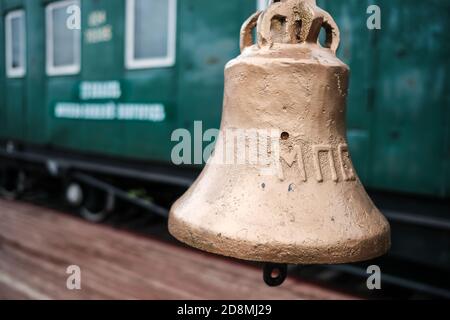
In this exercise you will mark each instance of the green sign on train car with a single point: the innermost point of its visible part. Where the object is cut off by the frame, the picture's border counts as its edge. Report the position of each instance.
(99, 102)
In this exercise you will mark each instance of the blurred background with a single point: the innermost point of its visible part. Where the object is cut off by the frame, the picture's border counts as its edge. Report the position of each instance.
(92, 90)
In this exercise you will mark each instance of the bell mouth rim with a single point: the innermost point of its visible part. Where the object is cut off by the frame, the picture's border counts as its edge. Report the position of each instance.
(277, 252)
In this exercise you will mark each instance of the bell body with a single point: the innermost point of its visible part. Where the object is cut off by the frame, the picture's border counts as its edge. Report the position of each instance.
(304, 206)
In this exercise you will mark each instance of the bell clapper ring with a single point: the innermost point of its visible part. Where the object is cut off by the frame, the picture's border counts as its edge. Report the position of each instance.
(274, 274)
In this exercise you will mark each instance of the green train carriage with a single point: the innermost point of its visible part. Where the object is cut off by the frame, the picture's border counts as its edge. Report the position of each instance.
(104, 98)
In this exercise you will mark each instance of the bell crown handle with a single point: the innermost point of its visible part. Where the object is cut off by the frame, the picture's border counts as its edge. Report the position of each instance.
(247, 30)
(290, 21)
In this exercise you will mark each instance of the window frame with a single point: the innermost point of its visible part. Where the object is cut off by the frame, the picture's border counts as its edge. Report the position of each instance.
(131, 63)
(21, 71)
(51, 69)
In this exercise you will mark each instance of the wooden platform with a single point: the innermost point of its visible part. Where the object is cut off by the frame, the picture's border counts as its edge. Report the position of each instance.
(37, 245)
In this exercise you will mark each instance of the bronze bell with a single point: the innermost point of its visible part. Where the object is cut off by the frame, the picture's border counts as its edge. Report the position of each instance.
(307, 206)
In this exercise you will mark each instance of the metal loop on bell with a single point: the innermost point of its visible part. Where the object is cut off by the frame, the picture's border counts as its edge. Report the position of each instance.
(274, 274)
(291, 22)
(247, 29)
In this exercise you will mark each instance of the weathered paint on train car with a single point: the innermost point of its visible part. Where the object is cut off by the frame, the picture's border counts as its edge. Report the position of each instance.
(398, 115)
(399, 107)
(410, 146)
(14, 95)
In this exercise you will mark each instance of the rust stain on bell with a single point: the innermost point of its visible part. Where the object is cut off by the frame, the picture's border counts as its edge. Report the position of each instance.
(313, 209)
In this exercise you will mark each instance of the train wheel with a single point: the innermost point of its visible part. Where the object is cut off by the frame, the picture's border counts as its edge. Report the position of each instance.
(97, 205)
(12, 183)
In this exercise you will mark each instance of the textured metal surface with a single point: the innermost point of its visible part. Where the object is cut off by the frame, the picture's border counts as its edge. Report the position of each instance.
(314, 209)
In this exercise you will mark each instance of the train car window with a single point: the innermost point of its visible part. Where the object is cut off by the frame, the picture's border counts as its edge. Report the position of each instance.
(63, 40)
(150, 33)
(15, 44)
